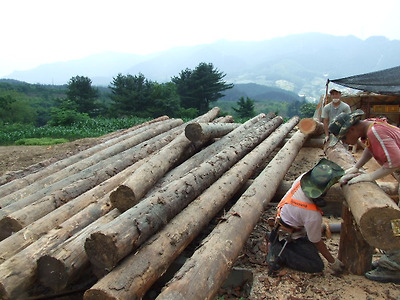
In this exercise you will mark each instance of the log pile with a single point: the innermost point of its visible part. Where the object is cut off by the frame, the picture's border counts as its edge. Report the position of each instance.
(120, 213)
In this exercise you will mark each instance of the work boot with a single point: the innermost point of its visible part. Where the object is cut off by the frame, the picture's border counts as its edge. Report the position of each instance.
(383, 275)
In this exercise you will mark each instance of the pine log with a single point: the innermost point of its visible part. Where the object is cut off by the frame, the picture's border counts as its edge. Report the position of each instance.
(372, 208)
(136, 274)
(116, 240)
(135, 187)
(65, 263)
(29, 209)
(311, 127)
(231, 138)
(198, 132)
(357, 257)
(23, 238)
(56, 180)
(19, 184)
(316, 142)
(18, 273)
(203, 274)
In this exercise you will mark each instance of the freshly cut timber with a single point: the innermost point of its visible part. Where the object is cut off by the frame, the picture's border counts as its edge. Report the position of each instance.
(118, 238)
(136, 186)
(136, 274)
(206, 270)
(197, 132)
(311, 127)
(25, 211)
(18, 273)
(28, 235)
(55, 181)
(372, 209)
(233, 137)
(68, 260)
(14, 182)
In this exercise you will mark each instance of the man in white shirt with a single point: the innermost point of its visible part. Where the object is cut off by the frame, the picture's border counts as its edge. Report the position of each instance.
(333, 109)
(298, 223)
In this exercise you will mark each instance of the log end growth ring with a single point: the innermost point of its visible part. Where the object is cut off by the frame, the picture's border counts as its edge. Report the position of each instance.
(102, 251)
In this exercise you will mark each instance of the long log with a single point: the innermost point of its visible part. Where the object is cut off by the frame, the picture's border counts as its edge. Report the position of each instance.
(197, 132)
(372, 209)
(67, 261)
(311, 127)
(33, 207)
(29, 234)
(136, 274)
(18, 273)
(203, 274)
(29, 194)
(233, 137)
(316, 142)
(18, 184)
(116, 240)
(135, 187)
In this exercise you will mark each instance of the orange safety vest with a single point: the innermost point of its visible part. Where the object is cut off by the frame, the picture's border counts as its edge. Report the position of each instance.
(290, 200)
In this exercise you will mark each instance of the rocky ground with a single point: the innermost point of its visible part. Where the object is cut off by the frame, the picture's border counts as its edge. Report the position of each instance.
(288, 284)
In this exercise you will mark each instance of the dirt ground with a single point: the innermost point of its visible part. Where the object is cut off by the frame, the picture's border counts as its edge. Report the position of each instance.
(289, 284)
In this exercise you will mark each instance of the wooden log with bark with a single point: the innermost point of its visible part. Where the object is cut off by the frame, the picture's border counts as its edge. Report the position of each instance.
(22, 197)
(116, 240)
(136, 186)
(136, 274)
(198, 132)
(31, 233)
(372, 209)
(21, 213)
(18, 273)
(311, 127)
(18, 184)
(203, 273)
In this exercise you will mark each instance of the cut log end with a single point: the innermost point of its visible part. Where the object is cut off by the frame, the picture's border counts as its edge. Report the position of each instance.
(101, 251)
(193, 131)
(8, 226)
(311, 127)
(94, 294)
(52, 273)
(123, 198)
(376, 228)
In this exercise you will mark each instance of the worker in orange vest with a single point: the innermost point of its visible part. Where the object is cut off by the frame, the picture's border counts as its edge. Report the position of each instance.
(296, 239)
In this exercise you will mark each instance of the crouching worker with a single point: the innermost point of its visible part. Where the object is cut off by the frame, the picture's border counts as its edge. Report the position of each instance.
(296, 239)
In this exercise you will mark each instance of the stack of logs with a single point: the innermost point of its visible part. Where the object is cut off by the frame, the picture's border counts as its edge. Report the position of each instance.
(125, 209)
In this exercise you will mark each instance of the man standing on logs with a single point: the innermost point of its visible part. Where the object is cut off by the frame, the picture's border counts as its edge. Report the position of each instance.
(333, 109)
(296, 239)
(382, 142)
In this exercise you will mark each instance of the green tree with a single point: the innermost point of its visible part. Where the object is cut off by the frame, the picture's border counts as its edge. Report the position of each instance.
(15, 107)
(198, 88)
(166, 100)
(81, 92)
(246, 108)
(131, 95)
(307, 110)
(66, 113)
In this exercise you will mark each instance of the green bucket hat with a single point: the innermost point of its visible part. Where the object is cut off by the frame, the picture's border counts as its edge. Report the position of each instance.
(320, 178)
(341, 124)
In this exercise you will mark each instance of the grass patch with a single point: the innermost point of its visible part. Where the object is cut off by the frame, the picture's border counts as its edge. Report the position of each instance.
(40, 141)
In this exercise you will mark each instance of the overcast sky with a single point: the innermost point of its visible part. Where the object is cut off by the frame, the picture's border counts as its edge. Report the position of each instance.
(35, 32)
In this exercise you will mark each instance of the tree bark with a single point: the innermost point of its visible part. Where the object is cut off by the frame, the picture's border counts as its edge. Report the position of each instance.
(136, 274)
(202, 274)
(372, 209)
(358, 257)
(311, 142)
(23, 238)
(311, 127)
(201, 132)
(29, 209)
(135, 187)
(116, 240)
(67, 261)
(56, 180)
(106, 141)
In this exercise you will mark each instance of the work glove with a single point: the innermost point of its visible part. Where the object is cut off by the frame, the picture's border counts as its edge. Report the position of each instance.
(360, 178)
(347, 177)
(337, 266)
(326, 139)
(381, 172)
(352, 170)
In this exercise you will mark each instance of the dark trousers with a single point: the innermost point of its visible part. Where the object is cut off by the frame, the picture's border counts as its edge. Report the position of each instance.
(299, 254)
